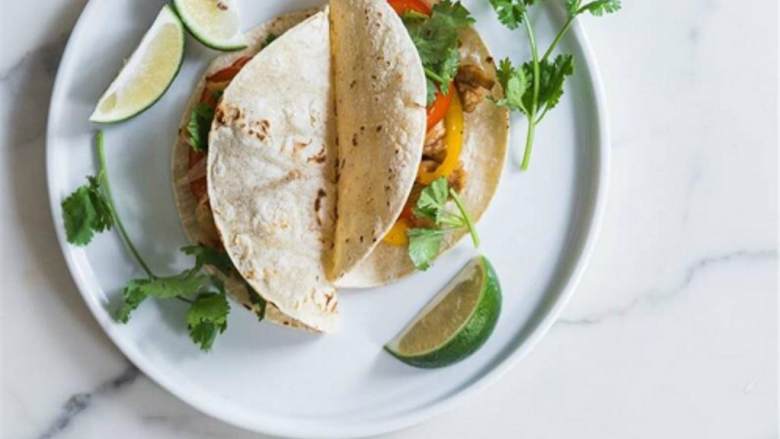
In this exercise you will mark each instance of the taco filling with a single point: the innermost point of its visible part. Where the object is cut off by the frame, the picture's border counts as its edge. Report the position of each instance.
(448, 99)
(196, 137)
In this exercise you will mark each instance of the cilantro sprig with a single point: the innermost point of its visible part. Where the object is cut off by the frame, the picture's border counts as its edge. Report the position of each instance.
(425, 243)
(90, 209)
(199, 126)
(436, 40)
(536, 86)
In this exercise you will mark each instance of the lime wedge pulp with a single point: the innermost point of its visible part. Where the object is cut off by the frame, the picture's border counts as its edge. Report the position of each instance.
(455, 323)
(215, 23)
(147, 74)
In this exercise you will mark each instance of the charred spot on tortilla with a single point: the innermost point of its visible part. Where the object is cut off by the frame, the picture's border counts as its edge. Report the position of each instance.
(293, 175)
(378, 128)
(222, 6)
(219, 116)
(318, 200)
(297, 146)
(354, 140)
(320, 158)
(353, 83)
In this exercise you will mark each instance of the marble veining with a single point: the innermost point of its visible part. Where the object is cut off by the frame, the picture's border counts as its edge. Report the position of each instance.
(80, 402)
(659, 297)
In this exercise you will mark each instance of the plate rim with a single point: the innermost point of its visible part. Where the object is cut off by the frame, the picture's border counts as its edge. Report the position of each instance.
(594, 222)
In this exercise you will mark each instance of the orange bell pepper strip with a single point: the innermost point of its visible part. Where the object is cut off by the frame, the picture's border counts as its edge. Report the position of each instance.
(439, 107)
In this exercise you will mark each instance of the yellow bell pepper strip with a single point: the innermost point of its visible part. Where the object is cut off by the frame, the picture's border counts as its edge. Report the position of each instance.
(453, 140)
(397, 234)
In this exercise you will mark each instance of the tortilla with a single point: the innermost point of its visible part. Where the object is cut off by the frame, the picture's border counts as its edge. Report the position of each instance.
(486, 136)
(380, 100)
(271, 173)
(187, 204)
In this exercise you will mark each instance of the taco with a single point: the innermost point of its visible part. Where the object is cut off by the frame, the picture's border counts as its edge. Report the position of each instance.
(319, 146)
(466, 138)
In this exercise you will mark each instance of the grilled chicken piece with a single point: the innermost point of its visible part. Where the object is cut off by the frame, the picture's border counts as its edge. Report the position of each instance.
(473, 85)
(429, 165)
(435, 148)
(457, 179)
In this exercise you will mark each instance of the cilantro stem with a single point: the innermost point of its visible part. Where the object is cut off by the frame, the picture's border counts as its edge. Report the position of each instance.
(466, 217)
(529, 137)
(541, 116)
(560, 36)
(103, 176)
(436, 77)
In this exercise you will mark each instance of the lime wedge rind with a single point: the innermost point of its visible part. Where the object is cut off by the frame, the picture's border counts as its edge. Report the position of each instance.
(237, 42)
(166, 16)
(469, 337)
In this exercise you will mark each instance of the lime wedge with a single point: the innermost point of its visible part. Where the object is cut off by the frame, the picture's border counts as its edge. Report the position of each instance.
(147, 74)
(455, 323)
(214, 23)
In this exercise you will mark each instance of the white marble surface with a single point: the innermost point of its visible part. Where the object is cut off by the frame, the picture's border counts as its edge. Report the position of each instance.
(672, 333)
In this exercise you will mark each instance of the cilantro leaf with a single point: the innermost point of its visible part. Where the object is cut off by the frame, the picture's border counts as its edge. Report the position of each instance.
(601, 7)
(425, 243)
(515, 84)
(430, 92)
(424, 246)
(257, 300)
(199, 126)
(184, 284)
(270, 39)
(132, 296)
(551, 79)
(432, 201)
(511, 13)
(86, 212)
(436, 40)
(518, 93)
(572, 6)
(205, 255)
(206, 318)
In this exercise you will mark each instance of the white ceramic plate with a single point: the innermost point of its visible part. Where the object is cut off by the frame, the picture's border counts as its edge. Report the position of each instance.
(265, 378)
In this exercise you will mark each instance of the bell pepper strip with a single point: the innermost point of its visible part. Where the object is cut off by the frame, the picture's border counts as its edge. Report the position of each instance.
(404, 6)
(438, 109)
(396, 236)
(453, 140)
(198, 186)
(229, 72)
